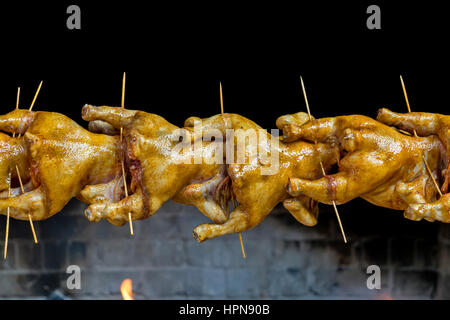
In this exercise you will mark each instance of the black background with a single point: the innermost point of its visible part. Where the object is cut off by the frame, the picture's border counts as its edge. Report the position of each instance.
(176, 54)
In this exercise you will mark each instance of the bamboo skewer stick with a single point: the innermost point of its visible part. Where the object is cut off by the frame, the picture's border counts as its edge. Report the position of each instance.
(431, 175)
(321, 164)
(17, 105)
(35, 96)
(18, 98)
(29, 215)
(221, 99)
(9, 190)
(240, 233)
(7, 220)
(415, 134)
(32, 103)
(407, 100)
(130, 220)
(234, 204)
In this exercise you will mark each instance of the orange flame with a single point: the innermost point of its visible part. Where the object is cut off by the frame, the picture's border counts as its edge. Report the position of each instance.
(126, 288)
(383, 296)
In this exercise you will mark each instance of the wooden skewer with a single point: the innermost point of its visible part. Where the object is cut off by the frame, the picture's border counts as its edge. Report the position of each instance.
(9, 189)
(35, 96)
(18, 98)
(415, 134)
(321, 164)
(431, 175)
(32, 103)
(7, 219)
(17, 105)
(130, 220)
(126, 195)
(240, 233)
(221, 99)
(234, 204)
(29, 215)
(407, 100)
(404, 132)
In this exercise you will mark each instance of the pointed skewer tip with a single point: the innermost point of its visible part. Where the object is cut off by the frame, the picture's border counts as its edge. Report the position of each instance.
(130, 220)
(36, 95)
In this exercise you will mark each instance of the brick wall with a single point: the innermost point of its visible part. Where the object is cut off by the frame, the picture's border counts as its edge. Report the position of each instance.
(285, 260)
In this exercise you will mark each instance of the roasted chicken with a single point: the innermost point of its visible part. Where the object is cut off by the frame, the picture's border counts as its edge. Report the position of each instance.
(161, 171)
(380, 164)
(426, 124)
(63, 161)
(209, 161)
(257, 185)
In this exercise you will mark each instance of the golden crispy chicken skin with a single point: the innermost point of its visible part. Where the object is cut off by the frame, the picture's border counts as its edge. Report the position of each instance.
(64, 159)
(12, 152)
(382, 165)
(426, 124)
(161, 171)
(257, 188)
